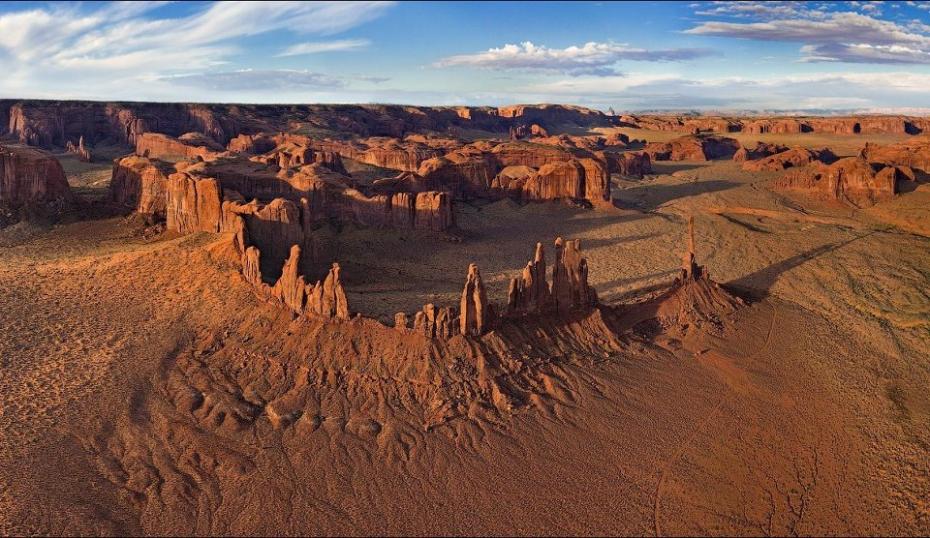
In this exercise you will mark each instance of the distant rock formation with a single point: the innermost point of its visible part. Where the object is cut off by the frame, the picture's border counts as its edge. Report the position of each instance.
(870, 124)
(692, 148)
(852, 180)
(191, 146)
(32, 178)
(914, 154)
(789, 159)
(761, 150)
(634, 164)
(83, 154)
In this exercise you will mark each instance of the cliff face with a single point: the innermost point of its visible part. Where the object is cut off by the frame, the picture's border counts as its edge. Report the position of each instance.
(31, 177)
(53, 123)
(850, 125)
(140, 183)
(852, 181)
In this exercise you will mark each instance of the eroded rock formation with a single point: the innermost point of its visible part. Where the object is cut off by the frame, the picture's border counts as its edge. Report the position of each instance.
(790, 159)
(190, 146)
(475, 312)
(83, 154)
(634, 164)
(325, 299)
(692, 148)
(694, 300)
(914, 154)
(31, 177)
(852, 180)
(140, 183)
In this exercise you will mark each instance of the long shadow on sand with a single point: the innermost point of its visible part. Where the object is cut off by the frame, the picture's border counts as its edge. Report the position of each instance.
(758, 285)
(651, 197)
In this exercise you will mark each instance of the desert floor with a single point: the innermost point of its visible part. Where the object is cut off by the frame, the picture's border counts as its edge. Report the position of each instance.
(808, 413)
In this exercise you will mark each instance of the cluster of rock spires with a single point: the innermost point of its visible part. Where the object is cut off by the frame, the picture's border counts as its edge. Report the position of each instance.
(693, 300)
(83, 154)
(529, 294)
(326, 299)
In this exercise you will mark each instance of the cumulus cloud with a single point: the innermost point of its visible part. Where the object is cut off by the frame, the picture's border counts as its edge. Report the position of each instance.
(316, 47)
(836, 37)
(589, 59)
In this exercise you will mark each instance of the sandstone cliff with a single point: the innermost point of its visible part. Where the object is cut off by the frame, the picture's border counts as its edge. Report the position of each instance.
(31, 177)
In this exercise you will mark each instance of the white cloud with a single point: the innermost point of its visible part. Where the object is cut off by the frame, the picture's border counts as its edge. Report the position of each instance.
(78, 49)
(789, 92)
(839, 37)
(315, 47)
(589, 59)
(257, 79)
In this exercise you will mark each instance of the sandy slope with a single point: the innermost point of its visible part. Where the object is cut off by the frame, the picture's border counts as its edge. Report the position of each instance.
(145, 388)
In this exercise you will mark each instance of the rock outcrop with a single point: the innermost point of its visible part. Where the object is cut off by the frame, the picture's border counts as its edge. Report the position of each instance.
(914, 154)
(141, 184)
(325, 299)
(475, 312)
(790, 159)
(529, 293)
(694, 300)
(852, 180)
(83, 154)
(761, 150)
(33, 178)
(633, 164)
(692, 148)
(192, 204)
(520, 170)
(190, 146)
(570, 289)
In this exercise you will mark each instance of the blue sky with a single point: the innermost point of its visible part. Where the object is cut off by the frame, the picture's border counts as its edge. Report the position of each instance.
(629, 56)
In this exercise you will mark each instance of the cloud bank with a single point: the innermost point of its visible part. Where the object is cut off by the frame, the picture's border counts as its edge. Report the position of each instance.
(589, 59)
